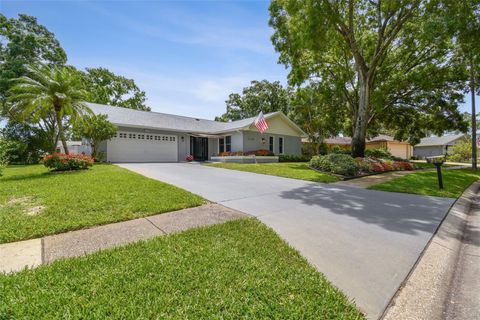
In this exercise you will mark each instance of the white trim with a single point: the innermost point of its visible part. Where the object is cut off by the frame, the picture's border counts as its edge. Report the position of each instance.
(224, 143)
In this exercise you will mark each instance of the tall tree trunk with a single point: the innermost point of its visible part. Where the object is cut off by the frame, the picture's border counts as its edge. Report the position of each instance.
(61, 133)
(360, 124)
(474, 116)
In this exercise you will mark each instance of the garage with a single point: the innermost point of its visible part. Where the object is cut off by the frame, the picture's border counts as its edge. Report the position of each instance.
(142, 147)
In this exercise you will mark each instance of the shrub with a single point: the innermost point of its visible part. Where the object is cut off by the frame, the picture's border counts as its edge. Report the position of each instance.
(376, 167)
(3, 165)
(65, 162)
(336, 163)
(292, 158)
(12, 151)
(461, 152)
(261, 152)
(403, 165)
(337, 149)
(363, 164)
(230, 154)
(388, 165)
(380, 153)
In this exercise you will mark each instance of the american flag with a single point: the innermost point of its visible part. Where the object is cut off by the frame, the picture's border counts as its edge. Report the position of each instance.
(261, 123)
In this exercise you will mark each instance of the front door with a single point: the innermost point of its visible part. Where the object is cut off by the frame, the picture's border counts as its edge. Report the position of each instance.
(199, 148)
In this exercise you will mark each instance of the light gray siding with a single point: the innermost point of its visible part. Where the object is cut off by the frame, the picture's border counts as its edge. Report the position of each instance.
(212, 147)
(237, 141)
(253, 141)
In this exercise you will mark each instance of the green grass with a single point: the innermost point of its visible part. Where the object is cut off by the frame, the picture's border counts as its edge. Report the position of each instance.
(425, 165)
(74, 200)
(455, 181)
(294, 170)
(237, 270)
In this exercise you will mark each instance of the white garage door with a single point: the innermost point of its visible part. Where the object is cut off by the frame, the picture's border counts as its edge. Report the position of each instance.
(142, 147)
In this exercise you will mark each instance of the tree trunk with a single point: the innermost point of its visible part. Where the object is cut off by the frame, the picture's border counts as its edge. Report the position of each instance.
(474, 116)
(61, 133)
(360, 121)
(94, 149)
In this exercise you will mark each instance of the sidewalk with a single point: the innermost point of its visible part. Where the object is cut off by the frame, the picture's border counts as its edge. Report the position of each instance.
(16, 256)
(444, 283)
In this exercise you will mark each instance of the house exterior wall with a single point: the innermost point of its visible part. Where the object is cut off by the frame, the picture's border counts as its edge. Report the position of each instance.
(428, 151)
(400, 149)
(237, 141)
(183, 144)
(240, 141)
(253, 141)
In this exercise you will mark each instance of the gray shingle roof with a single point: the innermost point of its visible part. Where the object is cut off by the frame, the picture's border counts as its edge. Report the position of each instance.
(164, 121)
(439, 141)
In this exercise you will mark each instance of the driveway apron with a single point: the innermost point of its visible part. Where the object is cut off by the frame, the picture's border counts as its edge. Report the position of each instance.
(364, 241)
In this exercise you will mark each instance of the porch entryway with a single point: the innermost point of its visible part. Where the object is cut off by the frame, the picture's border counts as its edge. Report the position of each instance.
(199, 148)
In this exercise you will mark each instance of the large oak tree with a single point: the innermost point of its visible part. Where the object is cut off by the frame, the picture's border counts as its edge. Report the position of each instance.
(392, 59)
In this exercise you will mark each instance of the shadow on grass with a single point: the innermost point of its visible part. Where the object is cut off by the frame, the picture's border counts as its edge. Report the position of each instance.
(39, 175)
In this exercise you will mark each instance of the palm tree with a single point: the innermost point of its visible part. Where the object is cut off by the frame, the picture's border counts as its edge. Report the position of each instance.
(49, 90)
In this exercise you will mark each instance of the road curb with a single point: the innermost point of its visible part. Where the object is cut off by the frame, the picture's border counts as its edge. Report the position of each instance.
(425, 290)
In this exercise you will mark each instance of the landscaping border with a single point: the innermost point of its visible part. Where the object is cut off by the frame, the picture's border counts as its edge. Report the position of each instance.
(245, 159)
(423, 293)
(345, 178)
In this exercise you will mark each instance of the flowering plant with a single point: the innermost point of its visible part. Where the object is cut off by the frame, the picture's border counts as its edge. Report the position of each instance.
(261, 152)
(403, 165)
(63, 162)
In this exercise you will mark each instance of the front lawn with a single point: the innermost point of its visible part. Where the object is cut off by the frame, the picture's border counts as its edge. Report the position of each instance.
(35, 202)
(455, 181)
(294, 170)
(237, 270)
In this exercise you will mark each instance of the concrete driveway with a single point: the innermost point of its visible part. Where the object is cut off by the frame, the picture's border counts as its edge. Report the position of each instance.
(364, 241)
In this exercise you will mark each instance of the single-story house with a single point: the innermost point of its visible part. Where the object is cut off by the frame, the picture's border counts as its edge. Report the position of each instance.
(145, 136)
(401, 149)
(436, 146)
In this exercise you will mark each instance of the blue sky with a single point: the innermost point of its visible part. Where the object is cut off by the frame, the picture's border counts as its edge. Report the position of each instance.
(187, 55)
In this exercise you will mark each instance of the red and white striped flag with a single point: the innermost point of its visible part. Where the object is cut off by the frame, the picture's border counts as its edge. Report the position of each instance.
(261, 123)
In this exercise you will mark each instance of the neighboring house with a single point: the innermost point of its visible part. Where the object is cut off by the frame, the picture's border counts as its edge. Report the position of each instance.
(159, 137)
(401, 149)
(436, 146)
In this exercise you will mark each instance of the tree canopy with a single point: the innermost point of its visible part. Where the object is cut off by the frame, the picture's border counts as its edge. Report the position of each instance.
(262, 96)
(105, 87)
(390, 63)
(95, 128)
(22, 42)
(49, 91)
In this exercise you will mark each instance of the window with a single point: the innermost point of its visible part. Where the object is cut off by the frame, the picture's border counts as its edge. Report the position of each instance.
(280, 145)
(270, 144)
(228, 143)
(225, 144)
(221, 145)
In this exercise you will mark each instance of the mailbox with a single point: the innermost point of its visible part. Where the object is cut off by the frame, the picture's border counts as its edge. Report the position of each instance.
(438, 161)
